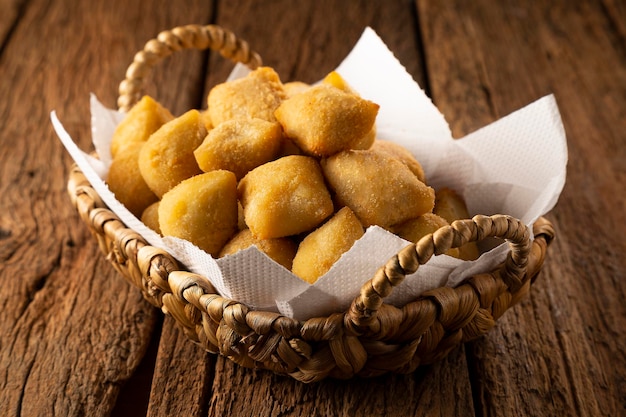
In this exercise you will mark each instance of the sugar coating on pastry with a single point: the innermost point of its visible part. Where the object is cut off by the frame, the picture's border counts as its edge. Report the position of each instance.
(256, 95)
(324, 120)
(281, 250)
(379, 189)
(201, 209)
(125, 180)
(415, 229)
(239, 145)
(320, 249)
(142, 120)
(402, 154)
(285, 197)
(451, 206)
(167, 157)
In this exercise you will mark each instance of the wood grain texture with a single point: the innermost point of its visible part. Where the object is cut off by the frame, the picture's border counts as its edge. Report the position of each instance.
(72, 332)
(485, 61)
(11, 12)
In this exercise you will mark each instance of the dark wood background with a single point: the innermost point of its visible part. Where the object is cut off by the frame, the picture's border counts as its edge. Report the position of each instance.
(76, 339)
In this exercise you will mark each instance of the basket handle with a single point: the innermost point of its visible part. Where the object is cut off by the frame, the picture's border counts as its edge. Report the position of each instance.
(364, 308)
(183, 37)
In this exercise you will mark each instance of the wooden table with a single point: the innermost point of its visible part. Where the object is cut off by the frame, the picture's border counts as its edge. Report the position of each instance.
(76, 339)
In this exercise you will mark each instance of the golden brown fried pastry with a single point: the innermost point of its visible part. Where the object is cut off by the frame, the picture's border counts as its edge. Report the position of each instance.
(379, 189)
(366, 141)
(284, 197)
(126, 182)
(281, 250)
(256, 95)
(295, 87)
(450, 206)
(205, 117)
(324, 120)
(167, 158)
(321, 248)
(402, 154)
(150, 217)
(239, 145)
(336, 80)
(415, 229)
(202, 210)
(142, 120)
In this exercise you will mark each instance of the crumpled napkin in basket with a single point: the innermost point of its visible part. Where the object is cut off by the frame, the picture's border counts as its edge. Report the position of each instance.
(514, 166)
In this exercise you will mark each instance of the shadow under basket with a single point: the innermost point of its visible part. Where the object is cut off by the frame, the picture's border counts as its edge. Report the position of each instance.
(370, 338)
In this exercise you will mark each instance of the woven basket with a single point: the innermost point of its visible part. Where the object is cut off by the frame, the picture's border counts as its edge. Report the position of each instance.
(369, 339)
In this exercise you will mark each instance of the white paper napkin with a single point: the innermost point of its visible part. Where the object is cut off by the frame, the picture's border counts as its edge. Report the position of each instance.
(515, 166)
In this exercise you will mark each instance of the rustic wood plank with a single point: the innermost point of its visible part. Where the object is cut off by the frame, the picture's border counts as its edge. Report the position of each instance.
(183, 375)
(560, 351)
(72, 330)
(9, 17)
(438, 389)
(304, 43)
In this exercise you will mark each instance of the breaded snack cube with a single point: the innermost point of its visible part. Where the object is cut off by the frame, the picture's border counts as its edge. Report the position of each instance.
(150, 217)
(281, 250)
(256, 95)
(239, 145)
(285, 197)
(336, 80)
(379, 189)
(402, 154)
(142, 120)
(451, 206)
(324, 120)
(415, 229)
(201, 209)
(167, 157)
(125, 180)
(320, 249)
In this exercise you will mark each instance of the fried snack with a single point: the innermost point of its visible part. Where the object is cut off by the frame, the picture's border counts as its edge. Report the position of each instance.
(366, 141)
(379, 189)
(256, 95)
(239, 146)
(205, 117)
(294, 87)
(402, 154)
(450, 206)
(284, 197)
(126, 182)
(321, 248)
(202, 210)
(150, 217)
(281, 250)
(415, 229)
(287, 148)
(142, 120)
(324, 120)
(167, 158)
(336, 80)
